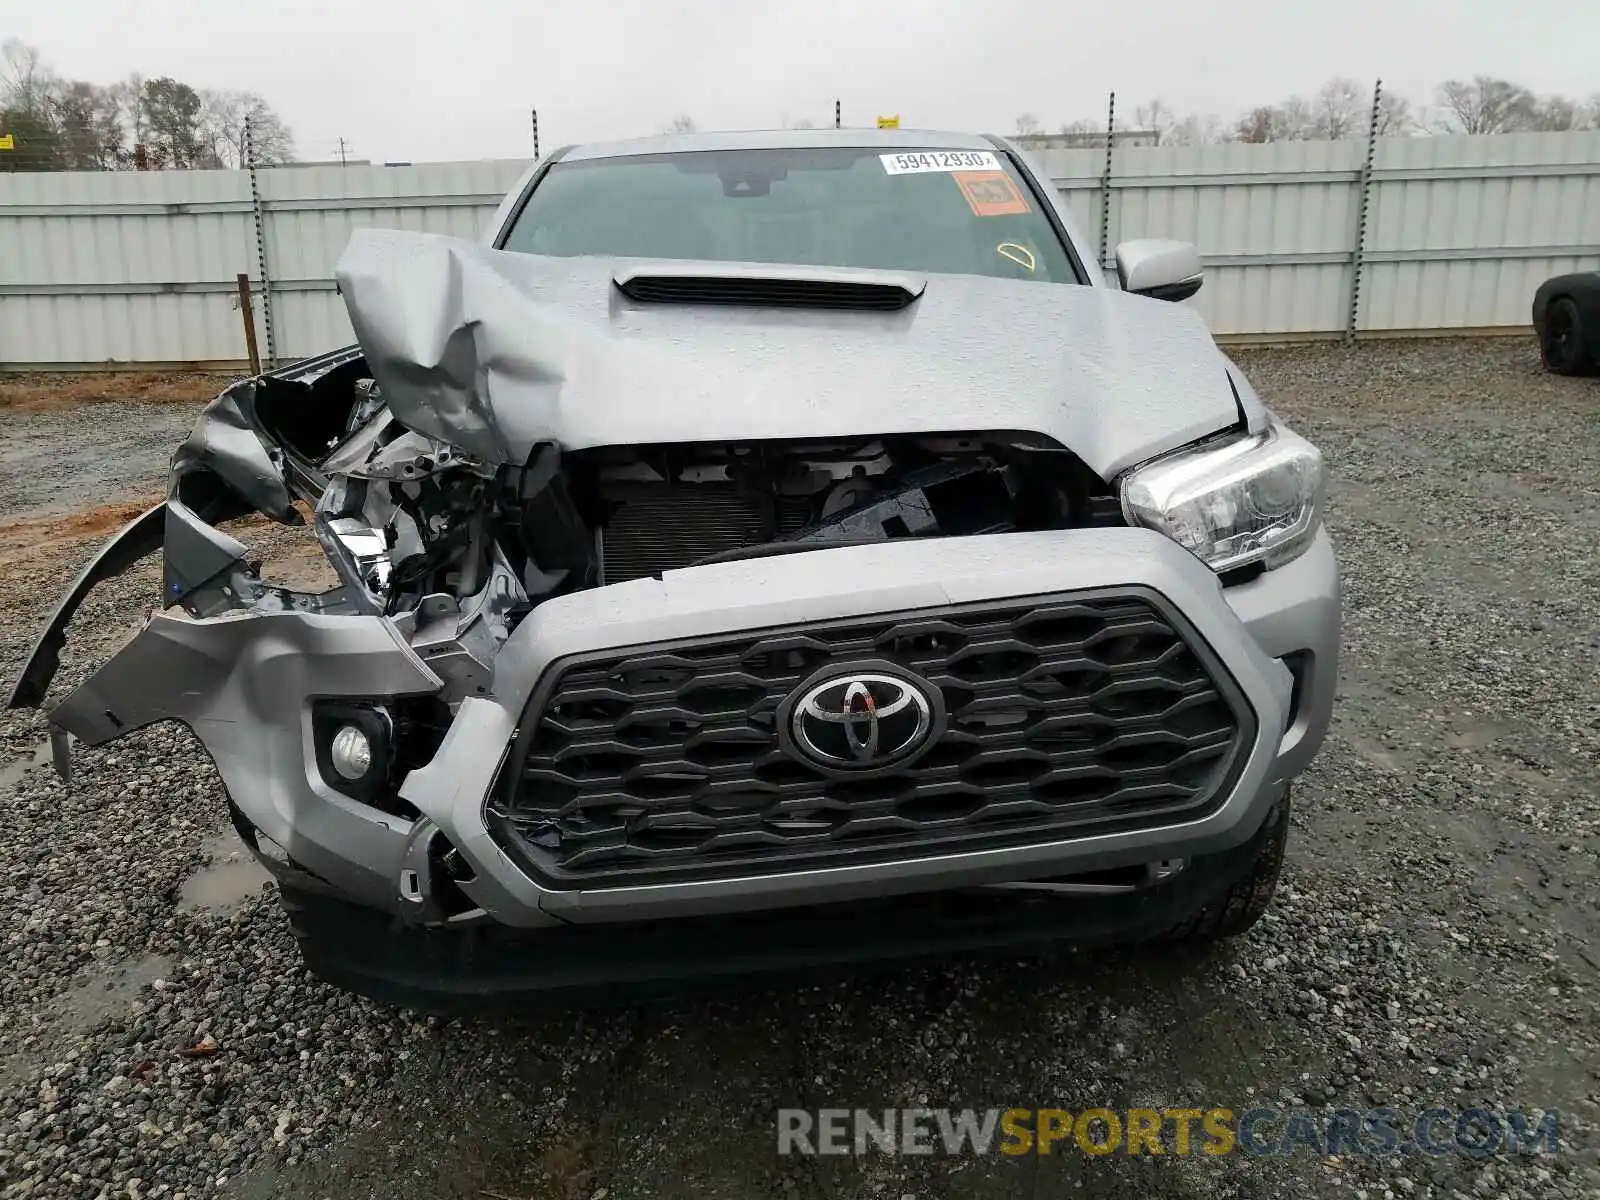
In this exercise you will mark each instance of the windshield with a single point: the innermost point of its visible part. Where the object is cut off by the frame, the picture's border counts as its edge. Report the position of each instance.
(959, 211)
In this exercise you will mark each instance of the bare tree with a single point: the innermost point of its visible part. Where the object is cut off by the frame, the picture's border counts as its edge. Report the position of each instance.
(1395, 118)
(222, 130)
(270, 138)
(1299, 120)
(1156, 117)
(129, 98)
(1485, 105)
(1197, 129)
(681, 123)
(1342, 110)
(1286, 122)
(1257, 125)
(28, 90)
(1558, 114)
(26, 83)
(1338, 112)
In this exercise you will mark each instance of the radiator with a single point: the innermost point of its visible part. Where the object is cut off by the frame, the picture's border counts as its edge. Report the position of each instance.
(661, 527)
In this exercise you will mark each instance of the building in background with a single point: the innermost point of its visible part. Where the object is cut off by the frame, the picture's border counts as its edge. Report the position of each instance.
(1123, 139)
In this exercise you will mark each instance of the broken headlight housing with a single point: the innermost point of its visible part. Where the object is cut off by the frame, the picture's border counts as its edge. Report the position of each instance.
(1247, 500)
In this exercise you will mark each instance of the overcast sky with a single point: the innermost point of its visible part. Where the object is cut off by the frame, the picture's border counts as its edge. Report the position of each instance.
(410, 80)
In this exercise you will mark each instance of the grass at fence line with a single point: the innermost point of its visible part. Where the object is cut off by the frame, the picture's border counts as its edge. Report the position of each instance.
(51, 391)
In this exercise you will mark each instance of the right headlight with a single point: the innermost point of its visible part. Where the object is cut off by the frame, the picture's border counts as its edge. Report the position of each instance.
(1253, 499)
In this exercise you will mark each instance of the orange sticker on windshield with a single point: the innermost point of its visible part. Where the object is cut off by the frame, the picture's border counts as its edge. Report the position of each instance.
(990, 193)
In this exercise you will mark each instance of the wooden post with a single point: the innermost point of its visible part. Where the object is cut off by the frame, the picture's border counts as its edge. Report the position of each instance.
(247, 313)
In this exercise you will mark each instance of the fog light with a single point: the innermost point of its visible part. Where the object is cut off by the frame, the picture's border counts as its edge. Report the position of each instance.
(350, 752)
(355, 747)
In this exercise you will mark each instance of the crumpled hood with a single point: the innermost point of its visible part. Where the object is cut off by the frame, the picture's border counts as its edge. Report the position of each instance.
(494, 351)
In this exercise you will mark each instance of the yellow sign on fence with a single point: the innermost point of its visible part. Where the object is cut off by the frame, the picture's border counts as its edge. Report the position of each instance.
(889, 122)
(7, 142)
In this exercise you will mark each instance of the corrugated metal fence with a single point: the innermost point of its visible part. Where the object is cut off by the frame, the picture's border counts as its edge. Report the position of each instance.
(106, 268)
(1459, 230)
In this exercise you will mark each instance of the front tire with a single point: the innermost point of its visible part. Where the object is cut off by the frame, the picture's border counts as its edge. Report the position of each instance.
(1248, 897)
(1562, 339)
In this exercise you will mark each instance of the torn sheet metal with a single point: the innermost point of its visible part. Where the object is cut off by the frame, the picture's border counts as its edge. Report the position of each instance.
(196, 553)
(385, 449)
(494, 351)
(459, 639)
(139, 537)
(225, 440)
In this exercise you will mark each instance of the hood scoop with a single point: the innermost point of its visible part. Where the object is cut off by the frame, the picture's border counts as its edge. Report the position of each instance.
(768, 287)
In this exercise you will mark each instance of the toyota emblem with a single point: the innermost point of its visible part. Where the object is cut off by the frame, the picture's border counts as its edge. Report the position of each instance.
(862, 720)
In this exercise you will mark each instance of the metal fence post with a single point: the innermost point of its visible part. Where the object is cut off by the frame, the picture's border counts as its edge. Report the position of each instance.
(1105, 179)
(261, 242)
(1361, 215)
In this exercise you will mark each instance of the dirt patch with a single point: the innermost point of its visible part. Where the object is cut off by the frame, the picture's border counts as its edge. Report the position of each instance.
(44, 392)
(102, 520)
(295, 561)
(20, 539)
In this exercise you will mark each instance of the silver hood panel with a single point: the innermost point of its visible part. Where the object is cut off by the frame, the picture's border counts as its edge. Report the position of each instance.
(494, 351)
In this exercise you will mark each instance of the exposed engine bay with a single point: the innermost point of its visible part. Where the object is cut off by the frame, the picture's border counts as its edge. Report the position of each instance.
(456, 551)
(605, 516)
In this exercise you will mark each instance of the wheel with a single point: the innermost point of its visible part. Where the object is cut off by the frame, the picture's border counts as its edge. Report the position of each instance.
(1243, 904)
(1561, 340)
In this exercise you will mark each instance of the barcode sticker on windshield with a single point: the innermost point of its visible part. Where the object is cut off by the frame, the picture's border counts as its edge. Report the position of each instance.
(916, 162)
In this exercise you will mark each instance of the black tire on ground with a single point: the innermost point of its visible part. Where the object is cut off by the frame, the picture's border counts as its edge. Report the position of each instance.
(1562, 344)
(1243, 904)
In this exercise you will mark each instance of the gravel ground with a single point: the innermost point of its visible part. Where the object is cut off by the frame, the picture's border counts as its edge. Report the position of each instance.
(1434, 941)
(97, 452)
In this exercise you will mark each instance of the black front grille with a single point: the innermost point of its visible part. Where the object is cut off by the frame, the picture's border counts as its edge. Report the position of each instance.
(1066, 715)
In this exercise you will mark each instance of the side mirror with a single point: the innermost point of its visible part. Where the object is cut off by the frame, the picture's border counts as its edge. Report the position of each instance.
(1159, 269)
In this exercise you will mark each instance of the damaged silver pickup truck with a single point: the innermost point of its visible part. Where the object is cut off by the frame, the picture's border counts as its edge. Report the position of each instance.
(767, 549)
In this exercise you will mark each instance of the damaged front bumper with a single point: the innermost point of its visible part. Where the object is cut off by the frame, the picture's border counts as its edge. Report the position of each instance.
(248, 679)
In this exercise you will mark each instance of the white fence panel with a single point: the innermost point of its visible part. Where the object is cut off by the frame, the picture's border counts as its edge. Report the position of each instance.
(311, 211)
(1461, 231)
(139, 267)
(1275, 224)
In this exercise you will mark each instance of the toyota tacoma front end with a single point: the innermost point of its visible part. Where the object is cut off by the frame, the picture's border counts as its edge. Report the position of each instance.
(703, 611)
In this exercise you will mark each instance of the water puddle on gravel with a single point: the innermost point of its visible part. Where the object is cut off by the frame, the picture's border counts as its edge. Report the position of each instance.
(12, 772)
(232, 878)
(102, 991)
